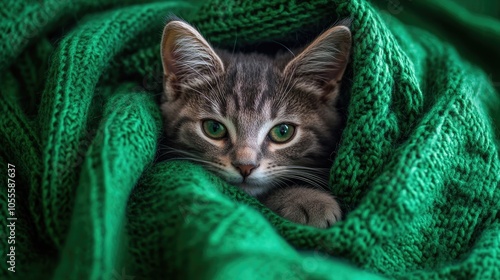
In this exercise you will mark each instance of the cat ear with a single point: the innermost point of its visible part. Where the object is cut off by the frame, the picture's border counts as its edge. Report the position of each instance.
(186, 55)
(321, 65)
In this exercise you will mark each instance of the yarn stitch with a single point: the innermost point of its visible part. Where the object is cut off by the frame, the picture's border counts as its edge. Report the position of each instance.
(417, 170)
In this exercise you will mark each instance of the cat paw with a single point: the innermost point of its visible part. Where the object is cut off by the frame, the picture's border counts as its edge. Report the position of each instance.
(305, 206)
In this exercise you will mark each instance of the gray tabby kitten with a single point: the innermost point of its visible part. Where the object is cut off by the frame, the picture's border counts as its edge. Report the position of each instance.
(258, 121)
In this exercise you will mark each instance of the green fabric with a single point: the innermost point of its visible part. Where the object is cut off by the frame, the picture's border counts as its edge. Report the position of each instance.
(417, 170)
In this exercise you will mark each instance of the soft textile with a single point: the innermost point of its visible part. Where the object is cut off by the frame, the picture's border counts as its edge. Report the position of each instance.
(417, 169)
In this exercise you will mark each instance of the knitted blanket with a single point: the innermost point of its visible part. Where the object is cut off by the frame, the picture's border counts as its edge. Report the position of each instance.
(83, 195)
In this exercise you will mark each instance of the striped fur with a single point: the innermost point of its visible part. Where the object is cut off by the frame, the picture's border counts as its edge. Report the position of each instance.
(249, 94)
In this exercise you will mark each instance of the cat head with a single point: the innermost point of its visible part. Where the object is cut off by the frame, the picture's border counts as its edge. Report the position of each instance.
(256, 121)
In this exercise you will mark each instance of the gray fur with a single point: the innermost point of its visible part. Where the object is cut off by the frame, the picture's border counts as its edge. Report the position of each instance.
(250, 93)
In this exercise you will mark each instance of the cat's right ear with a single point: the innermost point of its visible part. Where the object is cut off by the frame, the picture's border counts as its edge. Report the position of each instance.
(321, 65)
(186, 57)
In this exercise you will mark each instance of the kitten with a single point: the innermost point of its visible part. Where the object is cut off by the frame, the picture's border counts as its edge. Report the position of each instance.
(259, 122)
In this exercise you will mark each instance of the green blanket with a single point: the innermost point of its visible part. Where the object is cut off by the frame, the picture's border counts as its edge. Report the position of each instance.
(417, 170)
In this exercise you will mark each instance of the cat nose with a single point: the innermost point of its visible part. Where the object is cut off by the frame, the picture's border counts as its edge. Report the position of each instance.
(245, 169)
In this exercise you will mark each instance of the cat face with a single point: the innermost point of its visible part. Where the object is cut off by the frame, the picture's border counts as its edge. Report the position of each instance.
(256, 121)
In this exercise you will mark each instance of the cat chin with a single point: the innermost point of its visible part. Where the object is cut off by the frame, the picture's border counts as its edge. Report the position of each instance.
(254, 186)
(253, 190)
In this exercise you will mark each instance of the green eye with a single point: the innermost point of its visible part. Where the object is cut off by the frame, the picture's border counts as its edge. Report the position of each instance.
(214, 129)
(281, 133)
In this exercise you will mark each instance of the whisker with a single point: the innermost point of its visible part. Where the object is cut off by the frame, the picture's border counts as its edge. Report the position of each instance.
(235, 40)
(281, 183)
(308, 171)
(182, 152)
(290, 83)
(308, 178)
(284, 47)
(305, 167)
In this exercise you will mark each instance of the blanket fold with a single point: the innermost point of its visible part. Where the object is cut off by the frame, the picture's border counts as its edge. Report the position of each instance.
(417, 170)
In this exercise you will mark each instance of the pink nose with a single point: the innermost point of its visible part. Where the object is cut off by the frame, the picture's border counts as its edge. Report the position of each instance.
(245, 169)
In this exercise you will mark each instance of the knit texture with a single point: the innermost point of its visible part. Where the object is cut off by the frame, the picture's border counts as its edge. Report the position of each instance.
(417, 170)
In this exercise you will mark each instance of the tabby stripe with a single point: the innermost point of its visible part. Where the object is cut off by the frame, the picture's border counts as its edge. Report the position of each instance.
(238, 84)
(181, 121)
(263, 88)
(236, 101)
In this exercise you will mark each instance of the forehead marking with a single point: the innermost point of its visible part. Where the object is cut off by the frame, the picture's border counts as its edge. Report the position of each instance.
(263, 87)
(238, 85)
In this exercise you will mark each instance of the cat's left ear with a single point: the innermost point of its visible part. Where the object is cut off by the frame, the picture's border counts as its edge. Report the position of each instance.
(321, 65)
(186, 57)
